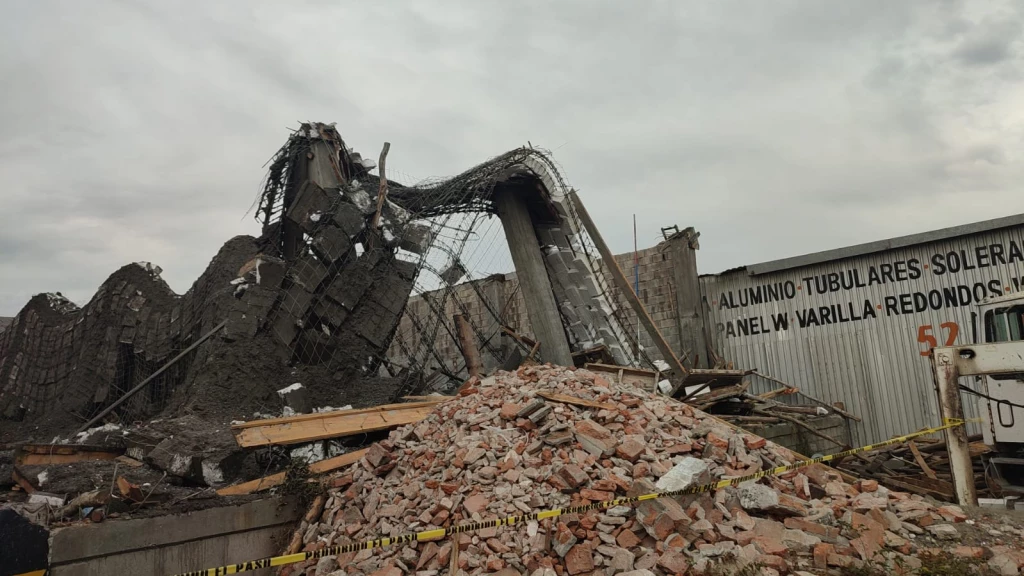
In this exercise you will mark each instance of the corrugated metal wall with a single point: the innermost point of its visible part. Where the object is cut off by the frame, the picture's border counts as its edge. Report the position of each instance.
(871, 359)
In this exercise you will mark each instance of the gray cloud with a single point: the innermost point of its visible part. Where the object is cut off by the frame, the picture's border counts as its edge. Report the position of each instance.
(138, 130)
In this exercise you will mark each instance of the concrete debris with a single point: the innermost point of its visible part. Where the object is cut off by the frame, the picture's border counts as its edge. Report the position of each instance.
(480, 456)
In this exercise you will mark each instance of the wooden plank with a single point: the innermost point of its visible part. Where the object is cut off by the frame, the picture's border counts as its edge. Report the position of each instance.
(667, 353)
(778, 392)
(920, 460)
(336, 413)
(46, 454)
(426, 398)
(130, 462)
(467, 341)
(22, 481)
(268, 482)
(329, 425)
(574, 400)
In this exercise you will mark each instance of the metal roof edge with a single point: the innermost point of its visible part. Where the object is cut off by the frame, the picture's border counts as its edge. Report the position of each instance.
(880, 245)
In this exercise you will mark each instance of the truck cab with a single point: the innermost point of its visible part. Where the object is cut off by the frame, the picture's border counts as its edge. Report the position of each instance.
(1002, 320)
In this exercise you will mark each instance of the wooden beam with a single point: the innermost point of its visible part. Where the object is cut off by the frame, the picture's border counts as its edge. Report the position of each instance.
(576, 401)
(382, 191)
(920, 460)
(322, 415)
(311, 427)
(467, 341)
(22, 481)
(778, 392)
(627, 292)
(268, 482)
(45, 454)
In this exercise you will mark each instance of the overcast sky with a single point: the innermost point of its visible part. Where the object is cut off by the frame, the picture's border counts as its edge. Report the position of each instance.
(139, 130)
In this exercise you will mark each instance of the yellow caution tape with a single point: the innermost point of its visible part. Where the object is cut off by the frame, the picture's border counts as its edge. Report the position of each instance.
(440, 533)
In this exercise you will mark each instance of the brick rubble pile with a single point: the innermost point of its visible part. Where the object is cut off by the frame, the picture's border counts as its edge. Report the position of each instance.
(500, 449)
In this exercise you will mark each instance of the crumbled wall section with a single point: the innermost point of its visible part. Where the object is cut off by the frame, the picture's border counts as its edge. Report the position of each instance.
(65, 362)
(655, 292)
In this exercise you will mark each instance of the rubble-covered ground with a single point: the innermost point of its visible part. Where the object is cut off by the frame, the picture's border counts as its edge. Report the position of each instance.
(499, 449)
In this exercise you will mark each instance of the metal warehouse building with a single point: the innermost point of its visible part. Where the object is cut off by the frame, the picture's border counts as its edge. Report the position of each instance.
(855, 324)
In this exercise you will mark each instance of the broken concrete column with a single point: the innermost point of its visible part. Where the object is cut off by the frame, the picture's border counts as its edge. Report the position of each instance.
(533, 277)
(689, 308)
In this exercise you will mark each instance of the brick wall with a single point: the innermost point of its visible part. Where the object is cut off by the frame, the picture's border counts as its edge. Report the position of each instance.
(655, 292)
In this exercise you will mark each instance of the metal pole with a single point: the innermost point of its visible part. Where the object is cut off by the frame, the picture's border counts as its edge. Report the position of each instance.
(142, 384)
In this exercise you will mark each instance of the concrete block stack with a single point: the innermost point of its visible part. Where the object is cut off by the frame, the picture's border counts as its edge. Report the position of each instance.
(500, 449)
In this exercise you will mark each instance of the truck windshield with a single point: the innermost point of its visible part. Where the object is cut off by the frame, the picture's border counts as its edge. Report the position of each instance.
(1004, 324)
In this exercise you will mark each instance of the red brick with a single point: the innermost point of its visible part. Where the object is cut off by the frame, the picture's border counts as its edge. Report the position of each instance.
(573, 475)
(969, 552)
(627, 539)
(841, 560)
(681, 448)
(769, 545)
(509, 411)
(869, 543)
(828, 533)
(595, 495)
(476, 504)
(641, 470)
(673, 562)
(952, 513)
(579, 559)
(772, 561)
(630, 449)
(754, 442)
(717, 440)
(821, 553)
(868, 485)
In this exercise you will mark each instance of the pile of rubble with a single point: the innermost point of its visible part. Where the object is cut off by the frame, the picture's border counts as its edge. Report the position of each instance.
(550, 437)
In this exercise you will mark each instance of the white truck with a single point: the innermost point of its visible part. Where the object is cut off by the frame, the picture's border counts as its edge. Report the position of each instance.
(997, 364)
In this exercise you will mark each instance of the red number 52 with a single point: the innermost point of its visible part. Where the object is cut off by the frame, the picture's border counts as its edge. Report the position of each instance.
(925, 335)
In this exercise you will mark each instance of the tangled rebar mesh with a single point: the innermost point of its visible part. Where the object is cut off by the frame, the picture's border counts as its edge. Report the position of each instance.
(465, 244)
(344, 298)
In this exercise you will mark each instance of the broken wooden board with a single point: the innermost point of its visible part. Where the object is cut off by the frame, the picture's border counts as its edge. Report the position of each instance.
(46, 454)
(310, 427)
(22, 481)
(576, 401)
(644, 379)
(920, 460)
(268, 482)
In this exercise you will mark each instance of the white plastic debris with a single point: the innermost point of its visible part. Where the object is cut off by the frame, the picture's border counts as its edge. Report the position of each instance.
(290, 389)
(47, 499)
(661, 365)
(237, 281)
(313, 452)
(665, 387)
(688, 472)
(83, 437)
(323, 409)
(315, 216)
(42, 477)
(822, 411)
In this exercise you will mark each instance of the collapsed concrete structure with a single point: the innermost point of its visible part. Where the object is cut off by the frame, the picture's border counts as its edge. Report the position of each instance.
(139, 388)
